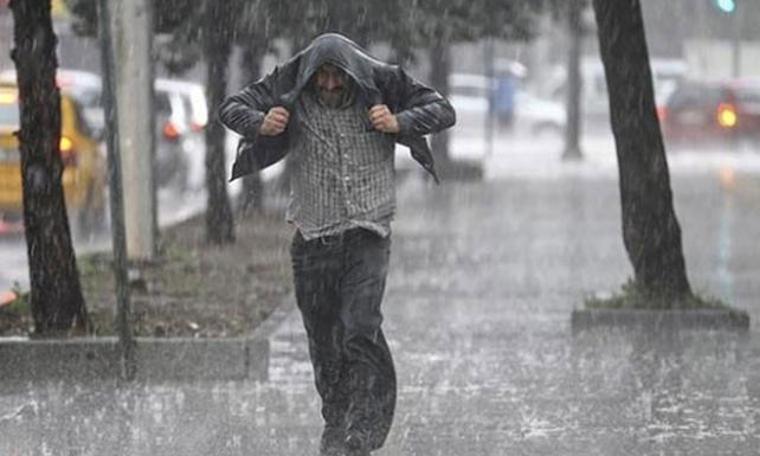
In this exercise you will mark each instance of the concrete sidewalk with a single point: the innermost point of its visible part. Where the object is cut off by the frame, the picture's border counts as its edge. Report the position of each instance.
(483, 281)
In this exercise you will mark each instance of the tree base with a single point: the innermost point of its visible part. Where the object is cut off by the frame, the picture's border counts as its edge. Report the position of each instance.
(635, 306)
(459, 170)
(572, 154)
(660, 320)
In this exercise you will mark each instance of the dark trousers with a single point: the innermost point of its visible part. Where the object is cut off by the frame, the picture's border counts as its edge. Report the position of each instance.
(339, 285)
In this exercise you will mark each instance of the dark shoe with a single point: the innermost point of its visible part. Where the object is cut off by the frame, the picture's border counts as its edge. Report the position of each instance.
(356, 445)
(333, 442)
(332, 452)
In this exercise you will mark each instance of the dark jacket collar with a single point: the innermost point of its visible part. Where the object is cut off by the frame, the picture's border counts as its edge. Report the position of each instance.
(292, 77)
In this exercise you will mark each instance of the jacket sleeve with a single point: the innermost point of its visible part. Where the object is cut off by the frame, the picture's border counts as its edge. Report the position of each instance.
(422, 110)
(244, 111)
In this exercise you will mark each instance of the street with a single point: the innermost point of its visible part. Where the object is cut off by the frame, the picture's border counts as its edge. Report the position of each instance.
(483, 279)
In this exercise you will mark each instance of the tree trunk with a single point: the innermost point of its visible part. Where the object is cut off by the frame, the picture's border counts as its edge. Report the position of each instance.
(574, 81)
(651, 232)
(282, 184)
(402, 53)
(217, 47)
(116, 192)
(56, 297)
(440, 67)
(131, 29)
(252, 195)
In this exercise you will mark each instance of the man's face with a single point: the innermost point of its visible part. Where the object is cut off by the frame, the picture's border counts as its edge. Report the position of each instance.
(331, 84)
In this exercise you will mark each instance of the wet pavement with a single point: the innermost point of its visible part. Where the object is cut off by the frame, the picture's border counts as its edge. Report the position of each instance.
(483, 279)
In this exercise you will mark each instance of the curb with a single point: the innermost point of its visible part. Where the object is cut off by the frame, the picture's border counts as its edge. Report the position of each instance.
(88, 359)
(656, 320)
(461, 171)
(158, 360)
(98, 359)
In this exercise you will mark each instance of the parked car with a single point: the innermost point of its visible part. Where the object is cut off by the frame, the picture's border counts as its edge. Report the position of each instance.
(83, 86)
(193, 98)
(533, 115)
(469, 94)
(666, 73)
(181, 116)
(713, 113)
(539, 116)
(84, 172)
(171, 161)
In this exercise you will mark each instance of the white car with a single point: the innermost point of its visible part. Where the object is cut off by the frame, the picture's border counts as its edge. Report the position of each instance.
(539, 116)
(470, 93)
(192, 110)
(182, 114)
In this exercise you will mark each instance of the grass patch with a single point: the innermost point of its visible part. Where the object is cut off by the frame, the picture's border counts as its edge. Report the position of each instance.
(192, 289)
(633, 296)
(21, 304)
(16, 316)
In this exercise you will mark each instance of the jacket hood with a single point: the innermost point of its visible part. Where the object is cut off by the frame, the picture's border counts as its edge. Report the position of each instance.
(343, 53)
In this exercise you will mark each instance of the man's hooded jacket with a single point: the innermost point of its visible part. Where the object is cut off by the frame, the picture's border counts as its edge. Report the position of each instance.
(419, 110)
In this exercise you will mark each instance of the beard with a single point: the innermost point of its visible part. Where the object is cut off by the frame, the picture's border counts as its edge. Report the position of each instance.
(333, 98)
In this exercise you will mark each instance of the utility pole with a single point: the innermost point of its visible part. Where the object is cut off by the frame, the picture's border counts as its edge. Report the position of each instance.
(731, 9)
(574, 81)
(110, 105)
(489, 57)
(132, 47)
(737, 41)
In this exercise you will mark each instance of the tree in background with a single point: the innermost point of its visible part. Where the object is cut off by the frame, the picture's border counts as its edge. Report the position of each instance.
(428, 24)
(253, 35)
(56, 297)
(364, 21)
(651, 233)
(569, 14)
(199, 29)
(168, 15)
(206, 32)
(573, 127)
(437, 24)
(217, 47)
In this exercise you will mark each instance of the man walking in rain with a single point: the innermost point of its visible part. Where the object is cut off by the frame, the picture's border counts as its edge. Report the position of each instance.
(338, 113)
